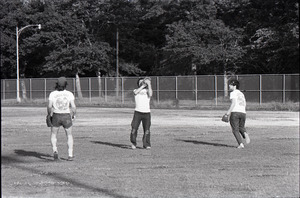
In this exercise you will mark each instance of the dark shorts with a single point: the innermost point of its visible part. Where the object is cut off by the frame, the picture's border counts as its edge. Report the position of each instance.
(62, 119)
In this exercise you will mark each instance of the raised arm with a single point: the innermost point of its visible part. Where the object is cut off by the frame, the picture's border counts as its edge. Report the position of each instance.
(136, 91)
(150, 91)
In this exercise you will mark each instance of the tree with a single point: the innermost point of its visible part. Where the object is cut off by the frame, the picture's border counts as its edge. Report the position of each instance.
(201, 39)
(11, 15)
(73, 51)
(9, 21)
(155, 37)
(271, 34)
(120, 17)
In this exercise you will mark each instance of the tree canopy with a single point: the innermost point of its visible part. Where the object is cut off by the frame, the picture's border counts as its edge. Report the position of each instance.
(148, 37)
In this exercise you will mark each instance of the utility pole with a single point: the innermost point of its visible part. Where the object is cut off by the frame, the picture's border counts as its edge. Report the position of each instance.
(18, 33)
(117, 62)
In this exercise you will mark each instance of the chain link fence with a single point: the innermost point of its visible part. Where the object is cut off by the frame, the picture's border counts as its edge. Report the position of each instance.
(257, 88)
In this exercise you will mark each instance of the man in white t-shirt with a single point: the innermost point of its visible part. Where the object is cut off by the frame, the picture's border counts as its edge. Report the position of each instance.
(62, 108)
(237, 113)
(142, 114)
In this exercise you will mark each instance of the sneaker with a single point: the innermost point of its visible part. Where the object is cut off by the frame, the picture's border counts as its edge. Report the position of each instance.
(148, 147)
(247, 138)
(70, 158)
(241, 146)
(133, 146)
(55, 156)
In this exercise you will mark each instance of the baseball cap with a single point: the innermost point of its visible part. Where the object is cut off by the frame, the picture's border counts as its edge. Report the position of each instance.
(62, 81)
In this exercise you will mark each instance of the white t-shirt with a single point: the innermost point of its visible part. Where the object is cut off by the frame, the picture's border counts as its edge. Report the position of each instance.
(61, 101)
(142, 101)
(240, 105)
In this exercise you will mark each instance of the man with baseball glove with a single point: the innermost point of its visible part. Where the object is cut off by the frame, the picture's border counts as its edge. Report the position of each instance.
(142, 96)
(61, 110)
(236, 114)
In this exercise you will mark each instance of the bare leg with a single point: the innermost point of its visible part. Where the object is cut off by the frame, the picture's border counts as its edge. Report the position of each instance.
(70, 141)
(54, 131)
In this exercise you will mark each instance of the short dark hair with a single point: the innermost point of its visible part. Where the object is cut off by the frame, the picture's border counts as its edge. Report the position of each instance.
(235, 83)
(138, 82)
(60, 88)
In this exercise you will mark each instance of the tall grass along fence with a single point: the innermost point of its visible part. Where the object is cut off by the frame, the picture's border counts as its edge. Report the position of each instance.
(198, 89)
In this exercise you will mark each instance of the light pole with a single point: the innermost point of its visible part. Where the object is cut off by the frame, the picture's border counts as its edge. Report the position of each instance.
(18, 32)
(117, 57)
(117, 62)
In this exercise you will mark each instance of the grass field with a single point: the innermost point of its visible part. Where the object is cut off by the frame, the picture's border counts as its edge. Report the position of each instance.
(193, 154)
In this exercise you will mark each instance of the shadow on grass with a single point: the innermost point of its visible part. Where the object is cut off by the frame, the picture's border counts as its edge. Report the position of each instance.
(38, 155)
(5, 160)
(33, 154)
(206, 143)
(123, 146)
(14, 162)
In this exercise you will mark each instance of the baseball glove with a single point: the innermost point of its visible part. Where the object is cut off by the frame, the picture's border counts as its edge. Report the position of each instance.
(147, 78)
(49, 121)
(225, 118)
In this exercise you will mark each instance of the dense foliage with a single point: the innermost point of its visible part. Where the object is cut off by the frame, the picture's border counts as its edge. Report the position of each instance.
(148, 37)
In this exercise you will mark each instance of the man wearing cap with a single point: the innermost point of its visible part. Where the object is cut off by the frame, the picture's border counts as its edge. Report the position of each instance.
(237, 113)
(62, 108)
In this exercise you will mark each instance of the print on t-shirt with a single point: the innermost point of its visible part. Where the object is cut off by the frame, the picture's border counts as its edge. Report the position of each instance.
(62, 103)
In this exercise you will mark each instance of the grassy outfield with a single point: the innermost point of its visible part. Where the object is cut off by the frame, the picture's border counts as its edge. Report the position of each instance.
(193, 154)
(111, 102)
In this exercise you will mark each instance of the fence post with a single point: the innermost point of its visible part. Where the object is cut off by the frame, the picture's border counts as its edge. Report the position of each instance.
(90, 90)
(3, 89)
(45, 88)
(260, 91)
(216, 90)
(157, 88)
(105, 89)
(196, 89)
(99, 86)
(30, 89)
(122, 87)
(283, 91)
(176, 88)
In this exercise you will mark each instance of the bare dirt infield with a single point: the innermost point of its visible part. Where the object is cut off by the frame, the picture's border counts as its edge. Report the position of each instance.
(193, 154)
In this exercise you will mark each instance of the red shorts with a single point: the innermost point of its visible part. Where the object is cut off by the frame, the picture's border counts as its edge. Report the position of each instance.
(62, 119)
